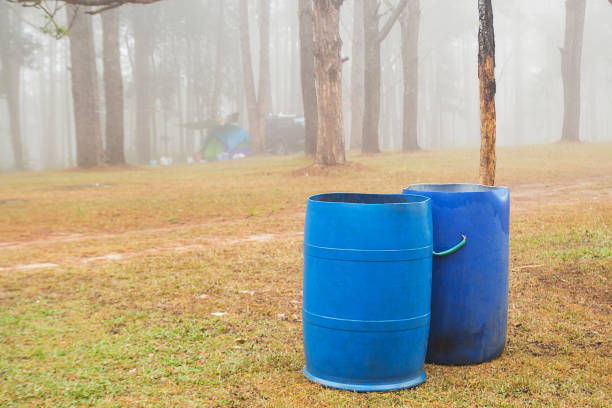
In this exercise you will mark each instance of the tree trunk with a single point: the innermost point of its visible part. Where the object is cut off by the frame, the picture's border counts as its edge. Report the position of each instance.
(214, 103)
(142, 84)
(264, 97)
(571, 55)
(357, 76)
(328, 75)
(371, 78)
(84, 88)
(486, 77)
(373, 37)
(309, 91)
(50, 155)
(113, 88)
(11, 58)
(409, 22)
(257, 107)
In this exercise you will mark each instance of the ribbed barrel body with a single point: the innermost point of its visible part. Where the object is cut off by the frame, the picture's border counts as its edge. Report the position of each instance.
(367, 286)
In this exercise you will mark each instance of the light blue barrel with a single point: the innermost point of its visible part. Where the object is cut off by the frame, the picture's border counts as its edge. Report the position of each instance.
(367, 288)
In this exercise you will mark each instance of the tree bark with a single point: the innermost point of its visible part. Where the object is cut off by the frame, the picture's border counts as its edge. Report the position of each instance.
(409, 22)
(486, 77)
(571, 54)
(373, 37)
(142, 84)
(257, 106)
(214, 102)
(113, 88)
(328, 75)
(49, 154)
(357, 76)
(264, 97)
(309, 91)
(10, 56)
(84, 89)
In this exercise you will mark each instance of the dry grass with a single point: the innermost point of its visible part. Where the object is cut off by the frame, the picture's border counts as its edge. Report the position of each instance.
(136, 328)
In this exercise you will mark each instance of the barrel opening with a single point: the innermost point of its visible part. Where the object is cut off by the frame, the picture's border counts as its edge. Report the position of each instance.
(360, 198)
(454, 188)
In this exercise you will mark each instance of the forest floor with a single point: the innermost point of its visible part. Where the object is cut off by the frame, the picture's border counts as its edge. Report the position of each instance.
(181, 285)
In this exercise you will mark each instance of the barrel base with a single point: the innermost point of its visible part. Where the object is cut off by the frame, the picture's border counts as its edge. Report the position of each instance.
(464, 360)
(365, 387)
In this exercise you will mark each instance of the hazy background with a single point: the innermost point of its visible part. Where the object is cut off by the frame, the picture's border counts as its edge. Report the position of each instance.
(184, 35)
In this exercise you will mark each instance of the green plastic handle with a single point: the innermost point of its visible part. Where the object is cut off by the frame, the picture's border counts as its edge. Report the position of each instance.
(453, 249)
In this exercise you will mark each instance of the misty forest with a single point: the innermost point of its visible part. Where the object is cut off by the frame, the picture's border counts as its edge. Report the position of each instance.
(160, 162)
(137, 83)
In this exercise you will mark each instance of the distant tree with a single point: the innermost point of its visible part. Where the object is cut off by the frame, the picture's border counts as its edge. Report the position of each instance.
(113, 88)
(143, 49)
(257, 103)
(309, 90)
(486, 77)
(84, 89)
(328, 74)
(409, 22)
(13, 49)
(373, 38)
(571, 54)
(357, 76)
(216, 93)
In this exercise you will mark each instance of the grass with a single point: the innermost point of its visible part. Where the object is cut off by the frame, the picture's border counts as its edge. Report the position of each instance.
(144, 257)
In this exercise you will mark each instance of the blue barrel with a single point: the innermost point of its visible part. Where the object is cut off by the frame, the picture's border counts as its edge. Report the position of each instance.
(469, 300)
(367, 287)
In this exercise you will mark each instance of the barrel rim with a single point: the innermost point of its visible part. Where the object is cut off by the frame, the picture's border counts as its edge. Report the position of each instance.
(400, 197)
(452, 188)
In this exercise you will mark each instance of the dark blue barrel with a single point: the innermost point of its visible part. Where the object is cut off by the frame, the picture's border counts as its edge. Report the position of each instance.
(367, 287)
(469, 300)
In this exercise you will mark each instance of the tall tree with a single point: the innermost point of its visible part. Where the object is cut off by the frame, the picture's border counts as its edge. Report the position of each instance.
(571, 54)
(84, 88)
(486, 78)
(409, 22)
(143, 45)
(214, 100)
(373, 38)
(11, 57)
(357, 76)
(113, 88)
(309, 91)
(257, 104)
(328, 75)
(49, 153)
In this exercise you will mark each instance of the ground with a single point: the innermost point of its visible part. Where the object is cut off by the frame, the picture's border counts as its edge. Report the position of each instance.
(181, 285)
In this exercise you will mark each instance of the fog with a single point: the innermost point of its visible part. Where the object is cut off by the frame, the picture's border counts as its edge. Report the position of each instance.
(185, 87)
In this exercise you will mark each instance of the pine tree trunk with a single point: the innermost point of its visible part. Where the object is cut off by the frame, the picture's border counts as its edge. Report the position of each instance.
(264, 96)
(309, 91)
(486, 77)
(84, 88)
(409, 22)
(11, 78)
(142, 84)
(113, 88)
(257, 103)
(371, 78)
(328, 75)
(373, 37)
(51, 133)
(357, 76)
(214, 103)
(571, 55)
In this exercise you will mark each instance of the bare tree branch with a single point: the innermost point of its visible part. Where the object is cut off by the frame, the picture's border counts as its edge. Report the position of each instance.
(102, 4)
(391, 20)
